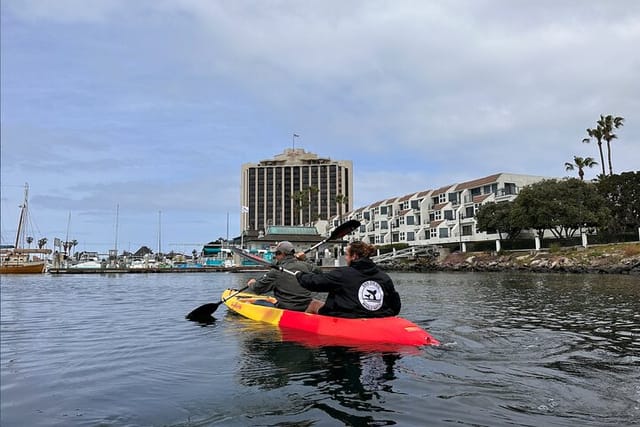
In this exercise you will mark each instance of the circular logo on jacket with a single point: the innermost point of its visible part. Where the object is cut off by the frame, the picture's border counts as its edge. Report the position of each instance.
(370, 295)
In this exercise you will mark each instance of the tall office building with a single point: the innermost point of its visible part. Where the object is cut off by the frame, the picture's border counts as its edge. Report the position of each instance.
(294, 188)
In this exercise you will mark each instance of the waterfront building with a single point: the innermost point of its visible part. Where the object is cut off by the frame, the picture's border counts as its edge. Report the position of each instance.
(294, 188)
(443, 216)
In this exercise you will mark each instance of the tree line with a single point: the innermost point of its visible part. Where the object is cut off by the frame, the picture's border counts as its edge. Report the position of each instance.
(565, 207)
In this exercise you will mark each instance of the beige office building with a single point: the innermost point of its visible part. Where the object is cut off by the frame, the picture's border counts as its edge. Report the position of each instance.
(294, 188)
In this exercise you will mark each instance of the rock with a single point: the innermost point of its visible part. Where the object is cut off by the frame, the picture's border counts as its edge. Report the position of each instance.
(605, 259)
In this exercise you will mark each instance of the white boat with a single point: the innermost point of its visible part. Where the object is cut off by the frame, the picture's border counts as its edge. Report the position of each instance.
(92, 264)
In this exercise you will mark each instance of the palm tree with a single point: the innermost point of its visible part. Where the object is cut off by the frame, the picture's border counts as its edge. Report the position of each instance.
(580, 163)
(312, 192)
(299, 199)
(341, 200)
(598, 134)
(29, 241)
(609, 124)
(42, 242)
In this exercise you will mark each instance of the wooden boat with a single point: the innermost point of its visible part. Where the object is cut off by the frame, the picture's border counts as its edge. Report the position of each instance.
(20, 260)
(386, 330)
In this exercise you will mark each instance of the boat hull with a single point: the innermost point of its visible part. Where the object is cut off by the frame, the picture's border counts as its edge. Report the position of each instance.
(385, 330)
(33, 267)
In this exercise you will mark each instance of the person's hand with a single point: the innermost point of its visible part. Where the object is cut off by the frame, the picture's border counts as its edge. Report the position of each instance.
(301, 256)
(250, 282)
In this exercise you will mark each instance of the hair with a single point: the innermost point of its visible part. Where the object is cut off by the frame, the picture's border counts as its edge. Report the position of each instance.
(362, 249)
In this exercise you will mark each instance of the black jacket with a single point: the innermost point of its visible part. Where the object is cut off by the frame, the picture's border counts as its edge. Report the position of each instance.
(360, 290)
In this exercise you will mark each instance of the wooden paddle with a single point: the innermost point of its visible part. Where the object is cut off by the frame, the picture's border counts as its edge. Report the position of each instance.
(204, 312)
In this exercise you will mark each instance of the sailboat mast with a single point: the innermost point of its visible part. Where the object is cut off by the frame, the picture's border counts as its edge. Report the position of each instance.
(23, 217)
(117, 217)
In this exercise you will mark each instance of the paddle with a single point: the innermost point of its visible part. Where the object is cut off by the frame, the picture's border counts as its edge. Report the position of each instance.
(204, 312)
(340, 231)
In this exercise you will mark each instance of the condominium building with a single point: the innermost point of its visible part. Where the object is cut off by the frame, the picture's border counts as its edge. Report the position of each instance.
(434, 217)
(294, 188)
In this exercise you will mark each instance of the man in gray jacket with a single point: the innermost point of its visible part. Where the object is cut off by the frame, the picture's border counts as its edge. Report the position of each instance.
(285, 287)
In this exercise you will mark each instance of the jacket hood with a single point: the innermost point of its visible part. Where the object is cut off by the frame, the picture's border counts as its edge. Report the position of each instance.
(365, 266)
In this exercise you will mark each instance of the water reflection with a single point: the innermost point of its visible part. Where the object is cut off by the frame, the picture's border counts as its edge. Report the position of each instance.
(342, 382)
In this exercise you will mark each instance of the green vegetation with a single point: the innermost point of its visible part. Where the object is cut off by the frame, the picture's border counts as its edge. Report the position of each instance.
(604, 131)
(580, 164)
(622, 195)
(564, 207)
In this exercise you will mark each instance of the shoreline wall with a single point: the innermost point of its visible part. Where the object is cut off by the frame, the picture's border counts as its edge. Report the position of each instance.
(609, 259)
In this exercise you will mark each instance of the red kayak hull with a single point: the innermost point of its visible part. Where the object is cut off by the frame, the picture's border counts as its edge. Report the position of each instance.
(387, 330)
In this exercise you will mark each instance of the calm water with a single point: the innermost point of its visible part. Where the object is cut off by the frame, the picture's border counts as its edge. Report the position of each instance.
(518, 349)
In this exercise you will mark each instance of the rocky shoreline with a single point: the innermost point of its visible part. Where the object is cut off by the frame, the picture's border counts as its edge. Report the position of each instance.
(623, 258)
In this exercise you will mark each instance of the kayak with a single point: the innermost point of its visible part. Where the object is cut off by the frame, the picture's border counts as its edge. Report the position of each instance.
(387, 330)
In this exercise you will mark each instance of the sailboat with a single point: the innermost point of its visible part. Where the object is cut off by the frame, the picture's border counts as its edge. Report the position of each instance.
(17, 259)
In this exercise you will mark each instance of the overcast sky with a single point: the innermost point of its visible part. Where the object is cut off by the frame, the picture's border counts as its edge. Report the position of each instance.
(152, 106)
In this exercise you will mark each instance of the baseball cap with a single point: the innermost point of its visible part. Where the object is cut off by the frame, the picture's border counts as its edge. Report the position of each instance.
(285, 247)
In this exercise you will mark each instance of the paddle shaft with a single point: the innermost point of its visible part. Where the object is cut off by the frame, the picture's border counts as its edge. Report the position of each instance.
(340, 231)
(235, 293)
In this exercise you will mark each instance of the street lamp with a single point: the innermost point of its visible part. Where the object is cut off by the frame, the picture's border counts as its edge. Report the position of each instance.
(460, 218)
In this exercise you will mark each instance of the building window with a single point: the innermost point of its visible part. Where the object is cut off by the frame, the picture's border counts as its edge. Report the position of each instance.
(410, 236)
(444, 232)
(469, 212)
(433, 232)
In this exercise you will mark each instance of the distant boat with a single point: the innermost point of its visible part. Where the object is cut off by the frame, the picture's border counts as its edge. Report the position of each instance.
(17, 259)
(91, 264)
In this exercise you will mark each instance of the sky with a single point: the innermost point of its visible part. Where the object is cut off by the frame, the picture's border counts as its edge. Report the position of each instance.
(130, 120)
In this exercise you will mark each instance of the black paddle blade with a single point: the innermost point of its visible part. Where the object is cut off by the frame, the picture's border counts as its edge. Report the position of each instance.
(344, 229)
(203, 313)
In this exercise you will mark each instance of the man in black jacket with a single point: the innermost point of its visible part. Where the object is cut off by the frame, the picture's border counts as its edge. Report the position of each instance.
(359, 290)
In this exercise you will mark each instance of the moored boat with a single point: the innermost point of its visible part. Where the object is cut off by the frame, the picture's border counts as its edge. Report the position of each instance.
(17, 259)
(387, 330)
(16, 262)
